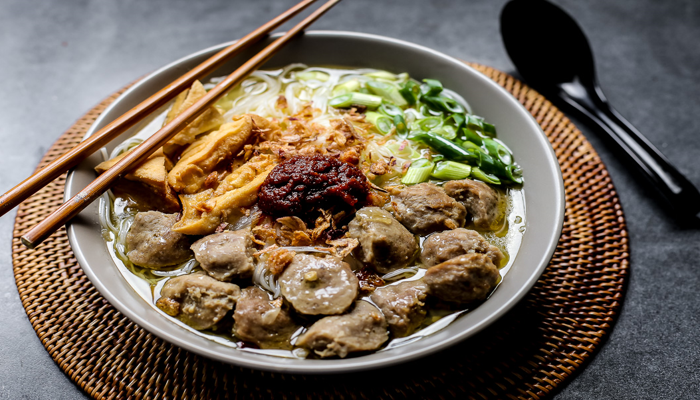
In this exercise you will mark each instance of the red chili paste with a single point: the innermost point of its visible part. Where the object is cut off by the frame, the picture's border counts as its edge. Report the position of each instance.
(305, 184)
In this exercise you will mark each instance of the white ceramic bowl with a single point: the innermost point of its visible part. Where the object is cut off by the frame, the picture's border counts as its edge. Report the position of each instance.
(544, 193)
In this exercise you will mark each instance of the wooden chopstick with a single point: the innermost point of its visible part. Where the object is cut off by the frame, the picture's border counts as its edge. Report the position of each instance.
(86, 196)
(90, 145)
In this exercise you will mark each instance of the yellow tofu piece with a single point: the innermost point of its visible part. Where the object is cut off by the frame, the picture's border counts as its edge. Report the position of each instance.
(153, 174)
(209, 120)
(202, 157)
(202, 214)
(246, 173)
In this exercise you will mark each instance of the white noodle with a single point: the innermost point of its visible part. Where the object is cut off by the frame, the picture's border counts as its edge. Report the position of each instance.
(400, 273)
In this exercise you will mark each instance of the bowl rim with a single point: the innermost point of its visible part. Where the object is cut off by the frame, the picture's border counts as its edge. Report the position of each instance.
(262, 362)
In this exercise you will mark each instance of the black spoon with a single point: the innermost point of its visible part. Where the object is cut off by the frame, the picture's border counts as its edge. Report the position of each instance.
(568, 72)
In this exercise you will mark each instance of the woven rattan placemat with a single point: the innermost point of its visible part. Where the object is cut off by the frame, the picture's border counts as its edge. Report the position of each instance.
(528, 353)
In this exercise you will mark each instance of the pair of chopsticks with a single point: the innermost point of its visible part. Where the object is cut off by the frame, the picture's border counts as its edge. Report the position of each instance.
(71, 208)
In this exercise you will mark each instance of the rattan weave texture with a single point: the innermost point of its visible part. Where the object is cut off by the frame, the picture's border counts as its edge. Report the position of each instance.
(528, 353)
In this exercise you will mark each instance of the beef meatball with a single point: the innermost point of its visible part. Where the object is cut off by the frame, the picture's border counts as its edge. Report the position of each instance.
(479, 199)
(363, 329)
(226, 255)
(152, 244)
(462, 279)
(425, 208)
(403, 305)
(198, 300)
(262, 321)
(384, 243)
(440, 247)
(315, 285)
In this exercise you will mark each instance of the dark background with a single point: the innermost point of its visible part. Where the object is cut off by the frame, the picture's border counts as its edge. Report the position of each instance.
(60, 58)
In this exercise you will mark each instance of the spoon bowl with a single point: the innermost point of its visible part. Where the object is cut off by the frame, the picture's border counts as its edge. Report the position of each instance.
(526, 24)
(568, 73)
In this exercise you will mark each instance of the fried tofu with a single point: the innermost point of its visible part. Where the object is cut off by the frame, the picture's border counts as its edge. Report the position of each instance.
(203, 156)
(207, 121)
(152, 176)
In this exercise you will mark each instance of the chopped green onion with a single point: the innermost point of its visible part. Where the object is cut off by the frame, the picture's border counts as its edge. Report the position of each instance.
(350, 86)
(390, 110)
(483, 176)
(478, 123)
(491, 165)
(431, 87)
(355, 98)
(400, 124)
(380, 121)
(425, 110)
(310, 75)
(473, 136)
(469, 145)
(428, 124)
(498, 151)
(489, 129)
(386, 91)
(457, 120)
(364, 90)
(446, 147)
(421, 162)
(410, 91)
(514, 173)
(446, 131)
(418, 172)
(491, 146)
(381, 75)
(442, 103)
(450, 170)
(437, 157)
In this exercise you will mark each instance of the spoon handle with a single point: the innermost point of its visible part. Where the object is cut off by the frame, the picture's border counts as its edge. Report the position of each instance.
(680, 193)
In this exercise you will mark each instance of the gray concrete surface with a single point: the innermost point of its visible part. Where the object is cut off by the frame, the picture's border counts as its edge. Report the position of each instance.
(59, 58)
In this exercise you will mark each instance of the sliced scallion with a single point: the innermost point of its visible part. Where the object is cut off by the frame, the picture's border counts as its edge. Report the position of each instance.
(410, 91)
(491, 147)
(386, 91)
(450, 170)
(390, 110)
(428, 124)
(446, 147)
(442, 103)
(310, 75)
(491, 165)
(469, 145)
(421, 162)
(504, 155)
(483, 176)
(355, 98)
(473, 136)
(437, 157)
(489, 129)
(380, 121)
(427, 111)
(346, 87)
(431, 87)
(456, 120)
(446, 131)
(418, 172)
(381, 75)
(400, 124)
(478, 123)
(514, 173)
